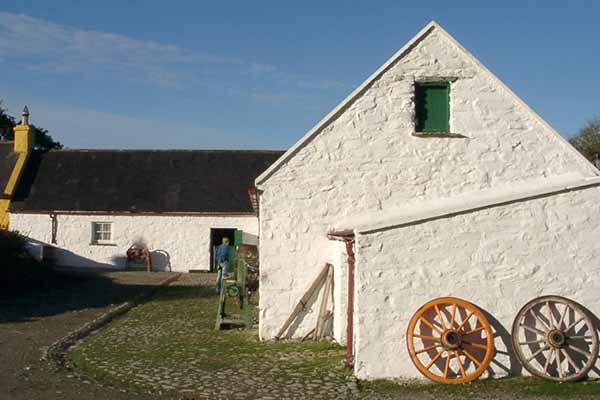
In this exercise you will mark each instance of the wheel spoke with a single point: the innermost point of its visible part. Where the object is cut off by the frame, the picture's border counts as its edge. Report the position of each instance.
(550, 316)
(559, 364)
(437, 311)
(580, 351)
(562, 317)
(477, 345)
(535, 354)
(539, 319)
(447, 366)
(534, 330)
(570, 361)
(431, 325)
(464, 321)
(433, 360)
(531, 342)
(460, 366)
(574, 324)
(432, 338)
(547, 364)
(453, 315)
(424, 349)
(475, 330)
(471, 357)
(580, 337)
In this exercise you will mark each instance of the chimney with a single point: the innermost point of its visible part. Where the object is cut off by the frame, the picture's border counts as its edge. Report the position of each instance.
(24, 134)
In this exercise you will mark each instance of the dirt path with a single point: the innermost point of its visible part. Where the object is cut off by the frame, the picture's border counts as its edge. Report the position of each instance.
(30, 323)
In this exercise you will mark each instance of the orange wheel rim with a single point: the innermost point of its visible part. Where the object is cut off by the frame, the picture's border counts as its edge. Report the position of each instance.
(450, 341)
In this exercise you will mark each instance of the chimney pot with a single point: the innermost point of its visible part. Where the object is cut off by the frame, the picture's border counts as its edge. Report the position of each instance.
(25, 116)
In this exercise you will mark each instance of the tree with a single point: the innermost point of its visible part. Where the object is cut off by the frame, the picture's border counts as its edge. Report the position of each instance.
(587, 141)
(43, 140)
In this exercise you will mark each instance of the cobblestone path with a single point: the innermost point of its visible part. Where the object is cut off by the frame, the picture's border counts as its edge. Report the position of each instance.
(168, 345)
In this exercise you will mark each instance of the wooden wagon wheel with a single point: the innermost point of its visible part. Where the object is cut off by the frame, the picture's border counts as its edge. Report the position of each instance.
(450, 341)
(554, 338)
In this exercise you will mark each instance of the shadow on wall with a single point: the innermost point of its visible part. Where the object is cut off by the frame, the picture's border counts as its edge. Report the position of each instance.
(501, 334)
(161, 259)
(66, 258)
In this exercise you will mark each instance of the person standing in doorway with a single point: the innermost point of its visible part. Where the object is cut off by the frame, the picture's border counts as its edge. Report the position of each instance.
(222, 255)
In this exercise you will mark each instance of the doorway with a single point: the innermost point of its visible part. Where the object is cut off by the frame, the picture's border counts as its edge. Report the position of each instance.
(216, 238)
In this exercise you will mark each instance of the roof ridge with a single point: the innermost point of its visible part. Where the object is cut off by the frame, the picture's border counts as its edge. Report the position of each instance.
(167, 150)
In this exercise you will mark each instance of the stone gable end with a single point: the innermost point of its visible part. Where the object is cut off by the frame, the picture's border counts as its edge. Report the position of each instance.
(368, 159)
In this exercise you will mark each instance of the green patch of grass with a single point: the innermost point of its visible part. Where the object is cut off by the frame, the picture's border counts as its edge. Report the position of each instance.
(517, 387)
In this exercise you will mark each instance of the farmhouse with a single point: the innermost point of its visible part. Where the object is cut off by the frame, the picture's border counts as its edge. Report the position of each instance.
(431, 179)
(90, 206)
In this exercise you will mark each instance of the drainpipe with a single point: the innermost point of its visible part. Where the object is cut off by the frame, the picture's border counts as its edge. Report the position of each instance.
(348, 238)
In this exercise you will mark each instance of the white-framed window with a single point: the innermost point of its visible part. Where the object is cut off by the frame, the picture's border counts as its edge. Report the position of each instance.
(102, 233)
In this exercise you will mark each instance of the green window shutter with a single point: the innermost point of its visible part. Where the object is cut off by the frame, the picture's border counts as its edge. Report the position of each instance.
(432, 106)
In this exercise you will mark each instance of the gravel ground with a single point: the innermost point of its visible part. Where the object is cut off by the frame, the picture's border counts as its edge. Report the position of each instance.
(30, 323)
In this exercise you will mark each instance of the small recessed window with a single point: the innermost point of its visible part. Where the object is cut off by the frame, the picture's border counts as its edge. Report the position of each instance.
(432, 107)
(102, 232)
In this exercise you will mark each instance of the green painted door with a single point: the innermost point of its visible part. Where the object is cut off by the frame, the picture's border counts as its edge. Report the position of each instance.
(238, 237)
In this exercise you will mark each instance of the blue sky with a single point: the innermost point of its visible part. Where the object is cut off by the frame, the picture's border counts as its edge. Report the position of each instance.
(243, 74)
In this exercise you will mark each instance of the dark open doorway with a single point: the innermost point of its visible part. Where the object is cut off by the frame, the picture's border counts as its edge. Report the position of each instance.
(216, 238)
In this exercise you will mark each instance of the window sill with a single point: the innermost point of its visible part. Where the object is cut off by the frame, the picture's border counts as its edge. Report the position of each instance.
(103, 244)
(439, 135)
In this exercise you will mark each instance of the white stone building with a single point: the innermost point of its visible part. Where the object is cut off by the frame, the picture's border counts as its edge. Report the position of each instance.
(447, 184)
(90, 206)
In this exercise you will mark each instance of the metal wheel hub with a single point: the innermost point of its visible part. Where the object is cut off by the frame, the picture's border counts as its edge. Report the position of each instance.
(556, 338)
(451, 339)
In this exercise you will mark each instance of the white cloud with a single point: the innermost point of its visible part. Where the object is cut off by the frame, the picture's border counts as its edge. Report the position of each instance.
(52, 48)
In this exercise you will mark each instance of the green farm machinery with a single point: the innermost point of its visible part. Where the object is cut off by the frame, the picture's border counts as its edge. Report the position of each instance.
(236, 289)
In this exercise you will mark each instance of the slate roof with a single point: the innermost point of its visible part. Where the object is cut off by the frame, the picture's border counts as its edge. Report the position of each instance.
(145, 181)
(8, 159)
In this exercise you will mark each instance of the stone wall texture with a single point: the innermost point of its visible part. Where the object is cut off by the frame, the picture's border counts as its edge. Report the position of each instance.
(185, 239)
(367, 159)
(497, 258)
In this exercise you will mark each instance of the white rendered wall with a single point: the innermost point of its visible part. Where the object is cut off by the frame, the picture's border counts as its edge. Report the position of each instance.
(186, 239)
(340, 291)
(367, 159)
(496, 258)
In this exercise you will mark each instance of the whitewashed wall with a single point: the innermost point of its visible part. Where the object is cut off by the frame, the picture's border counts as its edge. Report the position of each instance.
(185, 238)
(367, 160)
(340, 291)
(497, 258)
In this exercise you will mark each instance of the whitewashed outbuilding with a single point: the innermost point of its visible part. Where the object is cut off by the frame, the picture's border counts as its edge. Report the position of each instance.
(479, 199)
(90, 206)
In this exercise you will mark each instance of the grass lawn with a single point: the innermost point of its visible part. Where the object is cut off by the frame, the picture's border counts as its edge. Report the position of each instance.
(168, 346)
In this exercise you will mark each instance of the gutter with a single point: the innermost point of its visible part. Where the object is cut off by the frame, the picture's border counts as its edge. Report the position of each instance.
(347, 237)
